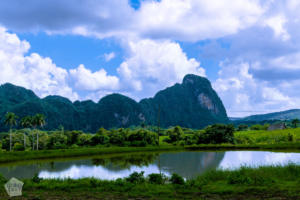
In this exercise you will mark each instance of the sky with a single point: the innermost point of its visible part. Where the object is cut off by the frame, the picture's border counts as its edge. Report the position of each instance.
(86, 49)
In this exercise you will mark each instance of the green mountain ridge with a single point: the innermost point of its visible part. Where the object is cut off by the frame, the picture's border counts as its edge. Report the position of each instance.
(282, 115)
(192, 104)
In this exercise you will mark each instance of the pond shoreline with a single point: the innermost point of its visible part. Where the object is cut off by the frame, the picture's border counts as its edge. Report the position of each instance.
(7, 157)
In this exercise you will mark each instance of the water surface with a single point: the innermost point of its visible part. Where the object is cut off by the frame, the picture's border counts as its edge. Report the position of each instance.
(187, 164)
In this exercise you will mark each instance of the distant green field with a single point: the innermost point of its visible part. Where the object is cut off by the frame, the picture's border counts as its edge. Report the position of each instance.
(267, 137)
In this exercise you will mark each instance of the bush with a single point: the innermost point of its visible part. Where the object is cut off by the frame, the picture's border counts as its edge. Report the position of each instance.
(176, 134)
(117, 137)
(2, 179)
(218, 133)
(260, 127)
(99, 139)
(290, 137)
(176, 179)
(242, 127)
(157, 178)
(36, 178)
(136, 177)
(18, 147)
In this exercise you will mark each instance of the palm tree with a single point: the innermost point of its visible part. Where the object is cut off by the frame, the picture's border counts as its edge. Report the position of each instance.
(10, 120)
(26, 122)
(38, 120)
(295, 122)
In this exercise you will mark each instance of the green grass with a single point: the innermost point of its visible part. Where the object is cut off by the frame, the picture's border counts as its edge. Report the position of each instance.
(269, 182)
(267, 137)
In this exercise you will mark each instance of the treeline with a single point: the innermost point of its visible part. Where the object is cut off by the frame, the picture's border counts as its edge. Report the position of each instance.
(31, 138)
(26, 140)
(215, 134)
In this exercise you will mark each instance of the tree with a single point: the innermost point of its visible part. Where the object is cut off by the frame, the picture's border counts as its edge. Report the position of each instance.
(38, 120)
(219, 133)
(10, 120)
(295, 122)
(242, 127)
(176, 134)
(26, 122)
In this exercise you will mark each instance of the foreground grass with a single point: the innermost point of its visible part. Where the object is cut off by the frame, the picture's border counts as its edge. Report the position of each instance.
(272, 182)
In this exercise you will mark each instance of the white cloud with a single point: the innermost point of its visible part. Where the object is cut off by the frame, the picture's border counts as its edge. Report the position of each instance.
(109, 56)
(243, 94)
(187, 20)
(193, 20)
(154, 65)
(84, 79)
(277, 24)
(33, 71)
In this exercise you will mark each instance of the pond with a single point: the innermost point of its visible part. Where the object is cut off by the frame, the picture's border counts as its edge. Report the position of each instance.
(187, 164)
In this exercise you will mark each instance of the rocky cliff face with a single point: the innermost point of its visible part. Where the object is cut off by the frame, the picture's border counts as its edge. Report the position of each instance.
(193, 103)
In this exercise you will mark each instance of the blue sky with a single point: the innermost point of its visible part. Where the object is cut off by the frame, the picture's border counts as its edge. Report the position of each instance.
(248, 49)
(71, 51)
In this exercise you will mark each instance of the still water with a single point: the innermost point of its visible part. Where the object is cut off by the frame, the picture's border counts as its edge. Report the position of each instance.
(187, 164)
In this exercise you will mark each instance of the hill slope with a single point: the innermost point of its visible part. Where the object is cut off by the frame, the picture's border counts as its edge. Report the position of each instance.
(283, 115)
(193, 104)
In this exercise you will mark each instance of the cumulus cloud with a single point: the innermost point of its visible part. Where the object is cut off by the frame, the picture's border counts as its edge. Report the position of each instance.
(84, 79)
(42, 76)
(154, 65)
(109, 56)
(243, 94)
(33, 71)
(194, 20)
(189, 20)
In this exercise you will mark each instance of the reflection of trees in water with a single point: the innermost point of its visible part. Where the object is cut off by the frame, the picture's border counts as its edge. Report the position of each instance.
(187, 164)
(121, 162)
(28, 170)
(114, 163)
(190, 164)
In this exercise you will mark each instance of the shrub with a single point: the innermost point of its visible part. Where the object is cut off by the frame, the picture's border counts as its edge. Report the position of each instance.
(242, 127)
(18, 147)
(99, 139)
(176, 134)
(157, 178)
(260, 127)
(2, 179)
(176, 179)
(117, 137)
(36, 178)
(84, 139)
(290, 137)
(136, 177)
(93, 182)
(73, 137)
(218, 133)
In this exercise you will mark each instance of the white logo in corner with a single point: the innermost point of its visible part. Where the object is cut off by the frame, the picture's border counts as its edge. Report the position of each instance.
(14, 187)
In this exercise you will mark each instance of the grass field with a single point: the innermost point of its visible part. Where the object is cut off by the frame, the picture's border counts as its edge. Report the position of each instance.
(272, 182)
(267, 137)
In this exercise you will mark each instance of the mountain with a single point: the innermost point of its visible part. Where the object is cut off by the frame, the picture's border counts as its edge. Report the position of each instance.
(283, 115)
(192, 104)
